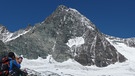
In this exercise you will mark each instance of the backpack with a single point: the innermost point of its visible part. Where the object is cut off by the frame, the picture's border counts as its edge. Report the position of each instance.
(4, 66)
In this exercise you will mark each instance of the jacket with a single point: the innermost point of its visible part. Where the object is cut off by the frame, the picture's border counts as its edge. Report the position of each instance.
(13, 62)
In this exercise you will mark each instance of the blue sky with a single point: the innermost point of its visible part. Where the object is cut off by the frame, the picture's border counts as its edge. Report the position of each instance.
(112, 17)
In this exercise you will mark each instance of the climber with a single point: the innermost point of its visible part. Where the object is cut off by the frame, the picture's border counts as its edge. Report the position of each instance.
(6, 64)
(13, 64)
(11, 56)
(19, 60)
(10, 67)
(14, 68)
(23, 72)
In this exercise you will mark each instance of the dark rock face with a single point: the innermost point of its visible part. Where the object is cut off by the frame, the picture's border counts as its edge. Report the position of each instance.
(2, 45)
(97, 51)
(130, 42)
(53, 35)
(3, 49)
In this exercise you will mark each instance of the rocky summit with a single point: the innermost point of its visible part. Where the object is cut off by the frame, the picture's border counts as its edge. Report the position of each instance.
(66, 34)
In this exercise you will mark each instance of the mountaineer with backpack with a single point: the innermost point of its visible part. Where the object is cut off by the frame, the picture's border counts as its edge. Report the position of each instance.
(6, 64)
(16, 69)
(13, 64)
(9, 66)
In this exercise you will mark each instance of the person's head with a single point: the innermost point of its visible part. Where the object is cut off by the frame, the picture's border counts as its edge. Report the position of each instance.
(11, 55)
(20, 60)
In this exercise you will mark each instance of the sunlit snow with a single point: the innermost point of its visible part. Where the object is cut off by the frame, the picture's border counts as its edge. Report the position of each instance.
(71, 67)
(76, 41)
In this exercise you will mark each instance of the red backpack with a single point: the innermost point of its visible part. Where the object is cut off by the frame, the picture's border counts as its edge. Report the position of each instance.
(4, 66)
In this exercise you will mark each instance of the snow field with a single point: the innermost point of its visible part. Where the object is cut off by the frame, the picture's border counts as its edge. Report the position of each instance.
(72, 68)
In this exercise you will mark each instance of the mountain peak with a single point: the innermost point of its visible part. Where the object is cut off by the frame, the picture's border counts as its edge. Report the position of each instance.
(61, 7)
(3, 29)
(63, 15)
(66, 34)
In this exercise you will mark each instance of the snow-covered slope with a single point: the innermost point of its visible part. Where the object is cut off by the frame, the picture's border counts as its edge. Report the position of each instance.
(49, 67)
(15, 35)
(6, 36)
(4, 33)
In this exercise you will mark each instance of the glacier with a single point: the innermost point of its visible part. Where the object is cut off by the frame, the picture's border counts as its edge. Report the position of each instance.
(73, 68)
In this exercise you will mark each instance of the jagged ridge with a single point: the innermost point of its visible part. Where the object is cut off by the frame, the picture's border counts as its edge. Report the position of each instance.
(7, 36)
